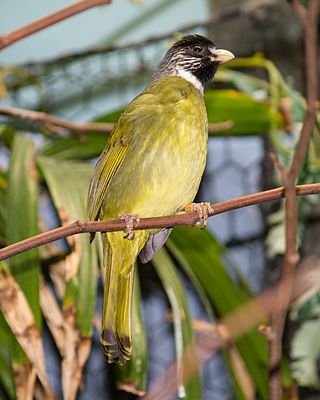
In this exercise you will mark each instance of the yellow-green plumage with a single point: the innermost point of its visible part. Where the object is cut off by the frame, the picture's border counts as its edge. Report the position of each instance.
(152, 166)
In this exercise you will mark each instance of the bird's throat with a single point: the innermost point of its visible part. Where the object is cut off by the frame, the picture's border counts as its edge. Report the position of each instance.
(190, 77)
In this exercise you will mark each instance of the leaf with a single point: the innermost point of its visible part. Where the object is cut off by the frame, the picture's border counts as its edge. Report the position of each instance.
(132, 376)
(305, 344)
(249, 116)
(183, 332)
(6, 377)
(19, 317)
(21, 221)
(75, 355)
(21, 212)
(68, 186)
(241, 81)
(7, 134)
(6, 373)
(305, 354)
(53, 315)
(25, 378)
(75, 147)
(240, 373)
(275, 240)
(307, 306)
(204, 259)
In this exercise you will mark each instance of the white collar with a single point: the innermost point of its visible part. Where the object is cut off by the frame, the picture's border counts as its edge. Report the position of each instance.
(188, 76)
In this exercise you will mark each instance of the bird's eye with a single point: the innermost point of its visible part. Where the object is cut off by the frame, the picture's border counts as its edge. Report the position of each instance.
(197, 49)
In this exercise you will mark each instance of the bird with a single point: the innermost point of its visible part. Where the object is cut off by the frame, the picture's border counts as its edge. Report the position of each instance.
(151, 166)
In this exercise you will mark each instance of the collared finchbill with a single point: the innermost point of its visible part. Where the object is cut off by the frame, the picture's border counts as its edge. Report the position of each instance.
(170, 113)
(222, 56)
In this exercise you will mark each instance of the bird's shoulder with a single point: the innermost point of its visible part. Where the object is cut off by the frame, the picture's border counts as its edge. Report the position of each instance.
(164, 95)
(170, 89)
(161, 99)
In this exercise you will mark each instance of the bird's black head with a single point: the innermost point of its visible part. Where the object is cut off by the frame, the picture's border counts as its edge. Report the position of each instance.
(194, 58)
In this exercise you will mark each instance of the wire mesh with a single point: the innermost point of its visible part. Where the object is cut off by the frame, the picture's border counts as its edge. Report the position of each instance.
(83, 87)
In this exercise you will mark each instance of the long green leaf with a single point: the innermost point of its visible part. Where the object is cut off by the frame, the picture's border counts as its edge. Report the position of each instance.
(22, 218)
(202, 255)
(249, 116)
(68, 184)
(7, 134)
(244, 82)
(183, 331)
(132, 376)
(73, 147)
(21, 212)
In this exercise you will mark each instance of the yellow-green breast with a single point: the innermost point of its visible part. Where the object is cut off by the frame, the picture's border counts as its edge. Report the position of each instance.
(163, 135)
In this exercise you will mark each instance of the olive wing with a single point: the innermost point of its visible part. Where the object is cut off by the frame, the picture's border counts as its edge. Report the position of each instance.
(107, 166)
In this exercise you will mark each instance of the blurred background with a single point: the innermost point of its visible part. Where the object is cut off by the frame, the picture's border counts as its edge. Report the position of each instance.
(87, 68)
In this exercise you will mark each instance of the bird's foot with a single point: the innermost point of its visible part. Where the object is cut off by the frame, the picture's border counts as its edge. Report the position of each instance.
(203, 210)
(131, 220)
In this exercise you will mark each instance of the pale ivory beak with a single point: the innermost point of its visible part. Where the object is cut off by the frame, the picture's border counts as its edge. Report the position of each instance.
(222, 56)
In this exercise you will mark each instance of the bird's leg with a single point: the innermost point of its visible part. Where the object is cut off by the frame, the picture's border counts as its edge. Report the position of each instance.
(130, 220)
(203, 210)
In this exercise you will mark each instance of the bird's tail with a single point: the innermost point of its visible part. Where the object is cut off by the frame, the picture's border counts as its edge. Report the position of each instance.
(119, 260)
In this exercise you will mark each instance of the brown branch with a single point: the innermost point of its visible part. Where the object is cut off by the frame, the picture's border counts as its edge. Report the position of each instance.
(27, 30)
(188, 219)
(57, 125)
(53, 124)
(298, 8)
(309, 18)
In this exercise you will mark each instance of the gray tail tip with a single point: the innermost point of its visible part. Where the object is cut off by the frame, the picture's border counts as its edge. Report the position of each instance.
(116, 348)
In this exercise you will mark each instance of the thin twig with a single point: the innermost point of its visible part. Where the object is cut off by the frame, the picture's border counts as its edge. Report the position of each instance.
(53, 124)
(309, 19)
(187, 219)
(27, 30)
(278, 164)
(298, 8)
(57, 125)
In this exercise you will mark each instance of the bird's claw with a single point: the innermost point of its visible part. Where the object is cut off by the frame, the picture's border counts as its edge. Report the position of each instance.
(130, 220)
(203, 210)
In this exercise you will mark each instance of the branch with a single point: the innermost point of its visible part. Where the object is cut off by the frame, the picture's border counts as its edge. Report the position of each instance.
(54, 124)
(27, 30)
(309, 19)
(188, 219)
(298, 8)
(57, 125)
